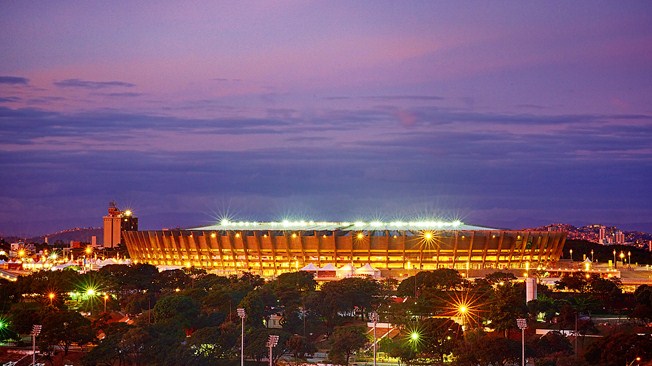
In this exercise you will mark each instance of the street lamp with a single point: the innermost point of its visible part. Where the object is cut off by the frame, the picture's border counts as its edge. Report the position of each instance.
(622, 257)
(637, 359)
(592, 256)
(51, 297)
(522, 324)
(36, 330)
(615, 266)
(272, 341)
(629, 258)
(242, 315)
(374, 319)
(571, 253)
(106, 297)
(462, 310)
(414, 338)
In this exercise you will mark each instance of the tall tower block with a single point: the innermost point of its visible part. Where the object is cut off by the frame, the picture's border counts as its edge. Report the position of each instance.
(115, 222)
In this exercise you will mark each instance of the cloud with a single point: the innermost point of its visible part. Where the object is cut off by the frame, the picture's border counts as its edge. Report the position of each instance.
(13, 80)
(86, 84)
(390, 97)
(123, 95)
(226, 80)
(406, 97)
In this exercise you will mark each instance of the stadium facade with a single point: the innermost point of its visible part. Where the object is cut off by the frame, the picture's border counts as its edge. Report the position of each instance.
(395, 248)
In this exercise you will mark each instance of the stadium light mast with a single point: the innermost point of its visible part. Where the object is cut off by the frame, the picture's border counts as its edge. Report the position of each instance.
(36, 330)
(374, 319)
(242, 315)
(522, 324)
(272, 341)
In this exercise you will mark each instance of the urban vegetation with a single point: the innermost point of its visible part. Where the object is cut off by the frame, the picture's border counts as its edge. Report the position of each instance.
(188, 316)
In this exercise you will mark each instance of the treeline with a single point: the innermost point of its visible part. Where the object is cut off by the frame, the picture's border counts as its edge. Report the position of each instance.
(189, 316)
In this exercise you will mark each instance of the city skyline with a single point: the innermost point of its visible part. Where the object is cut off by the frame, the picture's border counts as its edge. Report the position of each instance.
(507, 115)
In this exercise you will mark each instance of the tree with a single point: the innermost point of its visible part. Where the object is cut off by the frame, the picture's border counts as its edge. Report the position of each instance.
(439, 279)
(346, 340)
(24, 315)
(300, 346)
(497, 277)
(256, 345)
(172, 279)
(177, 309)
(573, 281)
(108, 350)
(606, 291)
(619, 348)
(551, 346)
(436, 338)
(65, 327)
(487, 349)
(643, 308)
(507, 304)
(545, 305)
(156, 344)
(259, 305)
(351, 296)
(290, 288)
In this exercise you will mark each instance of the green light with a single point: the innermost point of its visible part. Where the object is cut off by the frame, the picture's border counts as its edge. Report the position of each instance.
(90, 292)
(2, 324)
(414, 336)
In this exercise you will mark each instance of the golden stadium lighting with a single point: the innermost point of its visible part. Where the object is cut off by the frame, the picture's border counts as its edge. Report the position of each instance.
(399, 225)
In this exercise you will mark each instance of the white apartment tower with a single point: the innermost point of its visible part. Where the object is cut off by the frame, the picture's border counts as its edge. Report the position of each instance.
(115, 222)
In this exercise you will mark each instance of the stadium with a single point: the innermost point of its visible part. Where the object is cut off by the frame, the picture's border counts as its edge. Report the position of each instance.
(393, 249)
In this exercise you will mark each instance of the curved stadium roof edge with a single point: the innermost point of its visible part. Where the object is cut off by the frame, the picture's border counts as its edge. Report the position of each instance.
(343, 226)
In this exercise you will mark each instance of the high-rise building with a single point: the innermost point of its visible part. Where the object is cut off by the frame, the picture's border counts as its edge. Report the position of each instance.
(602, 235)
(619, 237)
(115, 222)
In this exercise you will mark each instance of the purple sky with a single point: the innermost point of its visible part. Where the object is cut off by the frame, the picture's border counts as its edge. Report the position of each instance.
(507, 114)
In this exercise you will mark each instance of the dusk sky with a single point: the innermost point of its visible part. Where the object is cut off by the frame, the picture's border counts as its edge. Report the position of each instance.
(506, 114)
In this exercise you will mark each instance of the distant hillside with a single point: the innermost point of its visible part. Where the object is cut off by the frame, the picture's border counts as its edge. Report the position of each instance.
(66, 236)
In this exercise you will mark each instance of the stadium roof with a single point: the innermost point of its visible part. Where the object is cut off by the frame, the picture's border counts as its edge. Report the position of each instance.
(287, 225)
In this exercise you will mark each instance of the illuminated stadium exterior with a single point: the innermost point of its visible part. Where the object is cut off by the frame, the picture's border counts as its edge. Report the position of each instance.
(394, 248)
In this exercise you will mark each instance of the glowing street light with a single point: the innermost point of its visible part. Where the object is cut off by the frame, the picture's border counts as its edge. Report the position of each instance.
(522, 324)
(106, 297)
(51, 297)
(272, 341)
(622, 257)
(571, 254)
(242, 315)
(629, 258)
(462, 311)
(615, 266)
(592, 256)
(414, 337)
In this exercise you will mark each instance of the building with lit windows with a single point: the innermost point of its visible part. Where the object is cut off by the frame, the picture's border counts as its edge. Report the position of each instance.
(115, 223)
(394, 248)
